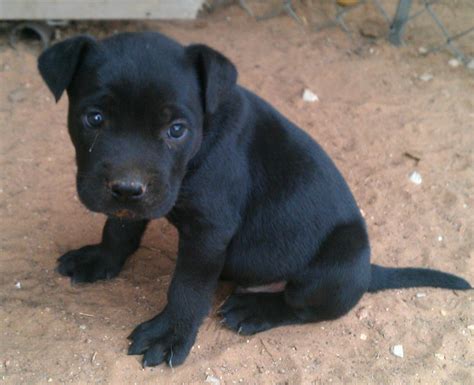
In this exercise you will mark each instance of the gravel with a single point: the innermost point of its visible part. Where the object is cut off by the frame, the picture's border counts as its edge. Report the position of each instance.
(397, 350)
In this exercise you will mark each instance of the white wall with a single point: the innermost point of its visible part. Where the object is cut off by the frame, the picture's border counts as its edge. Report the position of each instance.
(99, 9)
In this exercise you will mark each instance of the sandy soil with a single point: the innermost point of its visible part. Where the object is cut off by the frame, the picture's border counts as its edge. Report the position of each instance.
(374, 117)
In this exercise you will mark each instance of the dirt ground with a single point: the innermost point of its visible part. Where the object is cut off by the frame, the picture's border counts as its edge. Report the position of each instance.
(375, 117)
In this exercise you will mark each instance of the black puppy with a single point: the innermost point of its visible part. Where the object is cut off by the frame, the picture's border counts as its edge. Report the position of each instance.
(164, 130)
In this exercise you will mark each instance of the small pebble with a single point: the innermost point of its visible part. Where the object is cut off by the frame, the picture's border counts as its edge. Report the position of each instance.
(440, 356)
(440, 238)
(83, 327)
(18, 285)
(415, 177)
(426, 77)
(362, 313)
(397, 350)
(309, 96)
(423, 50)
(420, 295)
(454, 62)
(213, 380)
(471, 329)
(363, 337)
(443, 312)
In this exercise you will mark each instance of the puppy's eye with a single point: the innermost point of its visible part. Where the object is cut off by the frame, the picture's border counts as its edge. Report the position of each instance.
(93, 119)
(177, 130)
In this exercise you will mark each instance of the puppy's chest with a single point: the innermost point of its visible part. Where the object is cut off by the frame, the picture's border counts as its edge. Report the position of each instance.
(180, 217)
(186, 213)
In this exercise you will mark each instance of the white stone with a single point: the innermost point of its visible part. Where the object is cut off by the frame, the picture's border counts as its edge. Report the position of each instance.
(397, 350)
(309, 96)
(423, 50)
(454, 62)
(363, 337)
(420, 295)
(415, 177)
(213, 380)
(440, 356)
(426, 77)
(18, 285)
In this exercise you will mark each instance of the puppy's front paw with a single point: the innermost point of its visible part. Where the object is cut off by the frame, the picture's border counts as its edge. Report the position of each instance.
(162, 339)
(89, 264)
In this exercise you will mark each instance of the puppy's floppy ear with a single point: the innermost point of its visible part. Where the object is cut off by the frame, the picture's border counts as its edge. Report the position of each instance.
(217, 75)
(58, 64)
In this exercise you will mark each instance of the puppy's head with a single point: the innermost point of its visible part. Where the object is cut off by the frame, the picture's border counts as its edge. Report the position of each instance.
(137, 107)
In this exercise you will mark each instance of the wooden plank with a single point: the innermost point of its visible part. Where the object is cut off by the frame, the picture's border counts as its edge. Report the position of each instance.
(98, 9)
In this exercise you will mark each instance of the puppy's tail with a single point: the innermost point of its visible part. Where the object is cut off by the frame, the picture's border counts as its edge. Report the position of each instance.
(384, 278)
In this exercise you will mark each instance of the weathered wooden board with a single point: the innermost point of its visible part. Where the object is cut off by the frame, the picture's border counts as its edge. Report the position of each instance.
(98, 9)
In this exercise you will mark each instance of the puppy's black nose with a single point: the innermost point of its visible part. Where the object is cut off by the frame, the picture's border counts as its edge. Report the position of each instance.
(127, 190)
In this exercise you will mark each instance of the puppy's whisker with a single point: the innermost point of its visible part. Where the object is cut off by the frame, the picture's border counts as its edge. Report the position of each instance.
(94, 141)
(170, 362)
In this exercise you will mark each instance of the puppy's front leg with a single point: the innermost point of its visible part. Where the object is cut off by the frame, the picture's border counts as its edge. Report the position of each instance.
(170, 335)
(120, 239)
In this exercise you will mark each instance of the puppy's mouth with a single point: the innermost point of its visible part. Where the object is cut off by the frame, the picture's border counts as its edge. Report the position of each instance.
(153, 204)
(124, 214)
(137, 211)
(135, 214)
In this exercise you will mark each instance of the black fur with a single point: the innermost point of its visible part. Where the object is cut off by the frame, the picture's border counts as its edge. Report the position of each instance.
(254, 198)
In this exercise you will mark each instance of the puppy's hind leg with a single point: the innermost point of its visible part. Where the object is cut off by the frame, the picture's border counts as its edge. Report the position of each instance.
(328, 288)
